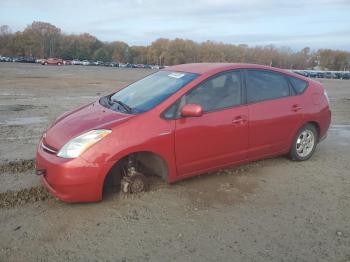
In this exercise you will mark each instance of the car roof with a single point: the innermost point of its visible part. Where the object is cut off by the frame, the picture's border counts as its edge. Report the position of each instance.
(204, 68)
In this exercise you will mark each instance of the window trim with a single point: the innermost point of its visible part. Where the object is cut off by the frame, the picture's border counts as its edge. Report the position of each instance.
(244, 98)
(243, 95)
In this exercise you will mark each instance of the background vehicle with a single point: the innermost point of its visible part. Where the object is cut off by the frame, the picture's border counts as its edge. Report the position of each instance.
(52, 61)
(5, 59)
(85, 62)
(301, 72)
(39, 61)
(346, 76)
(312, 74)
(76, 62)
(111, 64)
(24, 59)
(321, 74)
(338, 75)
(17, 59)
(330, 75)
(98, 63)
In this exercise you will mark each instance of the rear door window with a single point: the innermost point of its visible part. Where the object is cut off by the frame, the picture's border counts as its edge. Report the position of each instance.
(265, 85)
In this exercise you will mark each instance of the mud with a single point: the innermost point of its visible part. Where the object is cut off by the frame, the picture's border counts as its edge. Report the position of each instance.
(225, 187)
(270, 210)
(28, 195)
(17, 166)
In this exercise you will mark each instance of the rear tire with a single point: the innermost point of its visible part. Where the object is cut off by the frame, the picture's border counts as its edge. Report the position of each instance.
(304, 143)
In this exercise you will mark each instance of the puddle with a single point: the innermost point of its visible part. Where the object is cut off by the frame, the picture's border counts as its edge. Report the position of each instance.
(80, 97)
(17, 108)
(33, 77)
(341, 131)
(20, 94)
(340, 127)
(19, 121)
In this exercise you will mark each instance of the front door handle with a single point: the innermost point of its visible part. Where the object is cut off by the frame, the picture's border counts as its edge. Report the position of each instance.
(238, 120)
(296, 108)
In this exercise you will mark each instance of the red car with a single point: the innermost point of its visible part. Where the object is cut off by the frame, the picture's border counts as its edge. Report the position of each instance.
(179, 122)
(52, 61)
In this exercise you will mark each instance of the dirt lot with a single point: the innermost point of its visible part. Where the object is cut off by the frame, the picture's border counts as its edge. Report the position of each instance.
(271, 210)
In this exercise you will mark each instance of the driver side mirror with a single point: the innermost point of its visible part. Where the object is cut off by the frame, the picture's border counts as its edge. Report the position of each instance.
(192, 110)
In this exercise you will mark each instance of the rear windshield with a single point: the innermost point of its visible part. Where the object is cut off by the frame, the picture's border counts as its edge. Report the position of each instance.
(148, 92)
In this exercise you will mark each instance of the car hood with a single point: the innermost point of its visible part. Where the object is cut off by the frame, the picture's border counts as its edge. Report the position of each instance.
(81, 120)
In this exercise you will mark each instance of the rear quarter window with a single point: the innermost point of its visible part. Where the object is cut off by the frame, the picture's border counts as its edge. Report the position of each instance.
(298, 85)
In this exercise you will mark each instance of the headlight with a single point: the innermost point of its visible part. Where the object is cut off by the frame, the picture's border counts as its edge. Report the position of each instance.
(78, 145)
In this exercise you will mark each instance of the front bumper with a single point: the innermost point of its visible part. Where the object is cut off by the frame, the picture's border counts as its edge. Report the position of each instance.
(72, 180)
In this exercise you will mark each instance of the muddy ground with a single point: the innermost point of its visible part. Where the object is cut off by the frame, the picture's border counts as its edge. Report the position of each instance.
(271, 210)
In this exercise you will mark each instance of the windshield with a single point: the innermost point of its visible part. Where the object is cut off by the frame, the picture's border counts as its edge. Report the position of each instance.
(148, 92)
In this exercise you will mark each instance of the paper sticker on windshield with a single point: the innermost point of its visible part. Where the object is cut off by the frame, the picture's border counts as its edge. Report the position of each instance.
(176, 75)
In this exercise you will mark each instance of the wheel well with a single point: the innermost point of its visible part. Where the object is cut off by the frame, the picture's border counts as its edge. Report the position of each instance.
(148, 163)
(317, 126)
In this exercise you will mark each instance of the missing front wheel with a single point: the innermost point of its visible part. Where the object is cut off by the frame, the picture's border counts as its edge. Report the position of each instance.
(136, 183)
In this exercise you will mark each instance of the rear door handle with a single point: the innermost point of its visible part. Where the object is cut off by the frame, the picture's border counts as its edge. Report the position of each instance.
(296, 108)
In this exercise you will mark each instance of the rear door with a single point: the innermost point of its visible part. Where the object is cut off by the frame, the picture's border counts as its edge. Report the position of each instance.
(220, 135)
(274, 113)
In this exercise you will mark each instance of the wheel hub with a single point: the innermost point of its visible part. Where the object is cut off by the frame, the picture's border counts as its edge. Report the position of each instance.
(305, 143)
(136, 183)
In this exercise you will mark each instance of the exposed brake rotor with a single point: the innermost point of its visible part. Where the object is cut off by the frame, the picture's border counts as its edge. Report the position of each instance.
(136, 183)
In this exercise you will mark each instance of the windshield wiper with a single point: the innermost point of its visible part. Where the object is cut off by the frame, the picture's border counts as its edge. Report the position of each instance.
(125, 106)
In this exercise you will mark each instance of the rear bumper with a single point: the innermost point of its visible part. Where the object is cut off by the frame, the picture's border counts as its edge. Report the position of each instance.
(324, 123)
(323, 137)
(72, 180)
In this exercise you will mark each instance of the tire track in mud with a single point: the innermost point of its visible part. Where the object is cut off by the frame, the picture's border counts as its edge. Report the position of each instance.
(18, 166)
(14, 198)
(11, 199)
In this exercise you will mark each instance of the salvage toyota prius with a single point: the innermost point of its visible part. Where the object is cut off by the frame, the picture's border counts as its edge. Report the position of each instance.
(180, 122)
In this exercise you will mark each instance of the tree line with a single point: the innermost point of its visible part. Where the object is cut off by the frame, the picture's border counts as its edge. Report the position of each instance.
(43, 40)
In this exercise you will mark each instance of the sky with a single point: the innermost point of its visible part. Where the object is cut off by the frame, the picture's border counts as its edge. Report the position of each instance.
(293, 23)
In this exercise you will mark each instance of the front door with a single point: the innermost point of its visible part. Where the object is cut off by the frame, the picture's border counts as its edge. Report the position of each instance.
(220, 136)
